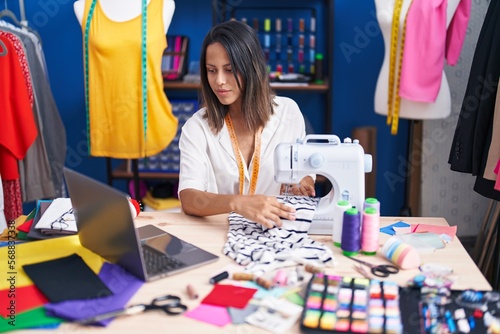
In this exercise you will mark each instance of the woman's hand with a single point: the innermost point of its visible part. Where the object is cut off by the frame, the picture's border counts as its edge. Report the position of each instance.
(264, 210)
(304, 188)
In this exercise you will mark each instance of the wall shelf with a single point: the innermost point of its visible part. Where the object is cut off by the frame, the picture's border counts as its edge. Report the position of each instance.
(176, 85)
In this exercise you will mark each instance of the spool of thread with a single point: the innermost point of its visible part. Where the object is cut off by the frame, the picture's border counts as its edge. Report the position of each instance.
(280, 278)
(370, 230)
(267, 25)
(313, 269)
(351, 225)
(401, 254)
(338, 218)
(318, 69)
(242, 277)
(263, 282)
(371, 202)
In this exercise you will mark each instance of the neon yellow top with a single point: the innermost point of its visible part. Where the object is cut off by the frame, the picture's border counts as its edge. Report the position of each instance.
(115, 95)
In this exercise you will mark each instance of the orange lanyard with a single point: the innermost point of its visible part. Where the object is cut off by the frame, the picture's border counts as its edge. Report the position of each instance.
(237, 154)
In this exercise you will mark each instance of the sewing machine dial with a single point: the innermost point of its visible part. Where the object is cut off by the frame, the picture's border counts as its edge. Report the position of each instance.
(316, 160)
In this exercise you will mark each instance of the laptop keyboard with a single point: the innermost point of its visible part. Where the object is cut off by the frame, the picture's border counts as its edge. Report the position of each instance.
(158, 262)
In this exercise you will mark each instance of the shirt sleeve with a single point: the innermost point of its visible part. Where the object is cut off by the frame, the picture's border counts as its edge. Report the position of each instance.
(194, 161)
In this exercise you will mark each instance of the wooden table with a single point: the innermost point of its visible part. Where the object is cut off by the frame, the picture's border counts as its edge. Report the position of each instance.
(210, 234)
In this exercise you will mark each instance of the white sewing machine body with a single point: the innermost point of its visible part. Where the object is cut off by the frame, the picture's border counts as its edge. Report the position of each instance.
(343, 163)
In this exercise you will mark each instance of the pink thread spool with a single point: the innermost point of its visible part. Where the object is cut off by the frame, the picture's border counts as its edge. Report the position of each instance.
(370, 231)
(401, 254)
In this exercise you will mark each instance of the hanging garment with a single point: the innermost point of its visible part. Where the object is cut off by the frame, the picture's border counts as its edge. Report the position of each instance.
(428, 43)
(261, 249)
(473, 134)
(494, 151)
(118, 127)
(17, 128)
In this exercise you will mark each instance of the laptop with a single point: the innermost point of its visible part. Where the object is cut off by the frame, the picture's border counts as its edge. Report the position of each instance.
(106, 227)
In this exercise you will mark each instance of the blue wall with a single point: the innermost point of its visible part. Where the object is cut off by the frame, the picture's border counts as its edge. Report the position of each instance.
(357, 59)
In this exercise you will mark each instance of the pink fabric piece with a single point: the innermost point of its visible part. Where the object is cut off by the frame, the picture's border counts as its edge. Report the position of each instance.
(427, 43)
(497, 172)
(215, 315)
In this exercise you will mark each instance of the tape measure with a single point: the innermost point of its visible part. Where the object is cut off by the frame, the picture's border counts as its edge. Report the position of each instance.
(144, 8)
(237, 154)
(394, 100)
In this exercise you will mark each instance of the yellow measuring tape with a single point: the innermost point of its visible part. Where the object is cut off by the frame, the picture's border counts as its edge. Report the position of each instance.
(237, 154)
(394, 100)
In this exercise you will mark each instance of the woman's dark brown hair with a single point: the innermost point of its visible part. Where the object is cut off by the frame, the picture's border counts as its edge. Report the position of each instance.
(247, 60)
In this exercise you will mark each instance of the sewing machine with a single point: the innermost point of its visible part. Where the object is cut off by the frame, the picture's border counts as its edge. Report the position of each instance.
(344, 164)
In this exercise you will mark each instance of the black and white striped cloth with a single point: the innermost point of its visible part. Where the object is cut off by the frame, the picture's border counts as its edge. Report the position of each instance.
(261, 249)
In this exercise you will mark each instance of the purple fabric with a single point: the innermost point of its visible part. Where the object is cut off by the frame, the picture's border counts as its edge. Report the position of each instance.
(121, 283)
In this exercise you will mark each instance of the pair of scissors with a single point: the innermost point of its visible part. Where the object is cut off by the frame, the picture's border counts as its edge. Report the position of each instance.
(169, 304)
(381, 270)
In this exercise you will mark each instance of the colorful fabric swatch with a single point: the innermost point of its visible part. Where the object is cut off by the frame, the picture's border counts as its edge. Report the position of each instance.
(29, 319)
(215, 315)
(66, 278)
(120, 282)
(20, 299)
(229, 296)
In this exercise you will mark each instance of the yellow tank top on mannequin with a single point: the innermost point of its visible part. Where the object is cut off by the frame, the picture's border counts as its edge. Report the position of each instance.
(115, 94)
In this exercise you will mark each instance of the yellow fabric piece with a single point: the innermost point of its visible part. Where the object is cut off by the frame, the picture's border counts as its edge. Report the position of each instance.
(160, 203)
(18, 222)
(115, 86)
(38, 251)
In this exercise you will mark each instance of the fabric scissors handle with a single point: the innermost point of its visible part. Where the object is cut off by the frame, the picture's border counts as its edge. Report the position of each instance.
(169, 304)
(381, 270)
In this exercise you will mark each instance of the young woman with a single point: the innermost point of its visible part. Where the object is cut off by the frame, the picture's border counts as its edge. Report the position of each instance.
(227, 147)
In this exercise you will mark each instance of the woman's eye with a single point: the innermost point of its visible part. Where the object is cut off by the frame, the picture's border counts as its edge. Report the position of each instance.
(210, 70)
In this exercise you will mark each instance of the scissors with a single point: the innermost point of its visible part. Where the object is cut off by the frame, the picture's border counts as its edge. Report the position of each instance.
(381, 270)
(169, 304)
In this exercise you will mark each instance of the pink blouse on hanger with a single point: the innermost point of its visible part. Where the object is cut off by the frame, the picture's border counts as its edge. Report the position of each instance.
(427, 44)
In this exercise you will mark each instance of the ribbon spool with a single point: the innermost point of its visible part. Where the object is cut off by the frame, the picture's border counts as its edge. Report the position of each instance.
(351, 232)
(338, 218)
(370, 231)
(401, 254)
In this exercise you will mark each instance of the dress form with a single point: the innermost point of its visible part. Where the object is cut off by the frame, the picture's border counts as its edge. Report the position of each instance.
(441, 107)
(124, 10)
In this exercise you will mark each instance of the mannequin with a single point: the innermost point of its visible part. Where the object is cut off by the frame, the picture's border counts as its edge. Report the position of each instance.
(133, 118)
(409, 109)
(123, 10)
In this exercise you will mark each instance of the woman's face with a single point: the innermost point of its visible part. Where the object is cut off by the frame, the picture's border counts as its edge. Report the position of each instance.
(221, 77)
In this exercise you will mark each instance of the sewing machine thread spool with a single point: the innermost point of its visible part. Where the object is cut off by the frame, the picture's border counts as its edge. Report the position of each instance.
(370, 230)
(338, 218)
(351, 225)
(371, 202)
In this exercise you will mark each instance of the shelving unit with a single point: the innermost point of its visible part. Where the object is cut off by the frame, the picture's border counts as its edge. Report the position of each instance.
(221, 11)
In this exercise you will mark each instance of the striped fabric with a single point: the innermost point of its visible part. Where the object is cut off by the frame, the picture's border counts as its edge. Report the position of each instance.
(261, 249)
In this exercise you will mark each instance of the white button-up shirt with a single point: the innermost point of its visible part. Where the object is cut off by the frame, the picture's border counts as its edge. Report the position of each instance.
(208, 162)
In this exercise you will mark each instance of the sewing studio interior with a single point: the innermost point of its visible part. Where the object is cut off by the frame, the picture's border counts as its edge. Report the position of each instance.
(250, 166)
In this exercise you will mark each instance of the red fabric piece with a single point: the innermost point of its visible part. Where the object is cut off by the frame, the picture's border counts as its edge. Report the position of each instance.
(229, 296)
(18, 129)
(25, 227)
(25, 298)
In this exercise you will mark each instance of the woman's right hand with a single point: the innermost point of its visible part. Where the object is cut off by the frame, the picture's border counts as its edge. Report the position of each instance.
(264, 210)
